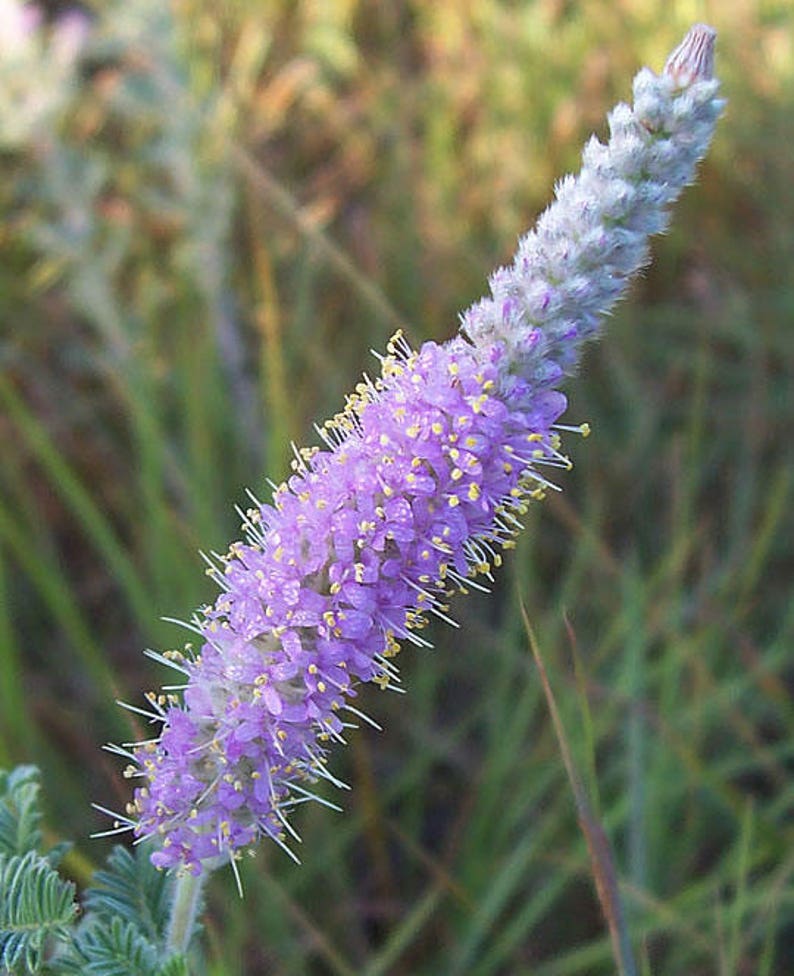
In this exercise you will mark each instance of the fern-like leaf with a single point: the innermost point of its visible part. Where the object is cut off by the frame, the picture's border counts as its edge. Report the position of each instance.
(20, 815)
(35, 905)
(110, 947)
(133, 889)
(175, 966)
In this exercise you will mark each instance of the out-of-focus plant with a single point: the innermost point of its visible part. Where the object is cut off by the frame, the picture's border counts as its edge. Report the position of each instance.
(128, 191)
(38, 72)
(120, 202)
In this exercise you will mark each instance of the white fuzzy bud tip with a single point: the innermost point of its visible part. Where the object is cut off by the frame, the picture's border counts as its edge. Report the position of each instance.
(693, 59)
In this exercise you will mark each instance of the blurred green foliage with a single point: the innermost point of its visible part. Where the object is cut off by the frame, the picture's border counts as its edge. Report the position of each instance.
(199, 236)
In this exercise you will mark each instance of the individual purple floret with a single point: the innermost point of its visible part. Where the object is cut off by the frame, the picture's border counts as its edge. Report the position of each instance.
(420, 487)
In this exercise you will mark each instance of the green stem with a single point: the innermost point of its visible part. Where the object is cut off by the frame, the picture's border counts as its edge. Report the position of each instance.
(187, 898)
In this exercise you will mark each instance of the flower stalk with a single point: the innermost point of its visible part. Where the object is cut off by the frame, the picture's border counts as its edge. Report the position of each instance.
(184, 911)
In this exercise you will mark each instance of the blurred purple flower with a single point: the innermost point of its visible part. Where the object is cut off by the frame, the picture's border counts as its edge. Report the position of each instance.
(19, 23)
(37, 69)
(69, 34)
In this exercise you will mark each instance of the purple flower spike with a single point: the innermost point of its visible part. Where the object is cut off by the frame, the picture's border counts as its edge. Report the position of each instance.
(419, 488)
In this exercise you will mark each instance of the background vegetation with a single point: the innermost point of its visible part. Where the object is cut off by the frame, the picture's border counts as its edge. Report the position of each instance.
(210, 213)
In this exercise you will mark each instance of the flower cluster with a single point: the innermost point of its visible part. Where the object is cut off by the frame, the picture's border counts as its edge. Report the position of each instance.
(420, 485)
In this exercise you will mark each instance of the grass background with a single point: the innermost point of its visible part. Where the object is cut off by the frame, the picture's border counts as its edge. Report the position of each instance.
(235, 202)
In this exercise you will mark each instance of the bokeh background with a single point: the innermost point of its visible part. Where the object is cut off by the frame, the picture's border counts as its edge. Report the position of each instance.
(211, 211)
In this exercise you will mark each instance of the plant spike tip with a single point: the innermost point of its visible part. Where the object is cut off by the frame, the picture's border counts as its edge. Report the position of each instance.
(693, 59)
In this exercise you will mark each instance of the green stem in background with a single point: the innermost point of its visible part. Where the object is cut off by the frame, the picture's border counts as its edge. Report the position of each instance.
(601, 858)
(187, 899)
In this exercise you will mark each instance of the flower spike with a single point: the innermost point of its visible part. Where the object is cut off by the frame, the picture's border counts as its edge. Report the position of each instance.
(421, 484)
